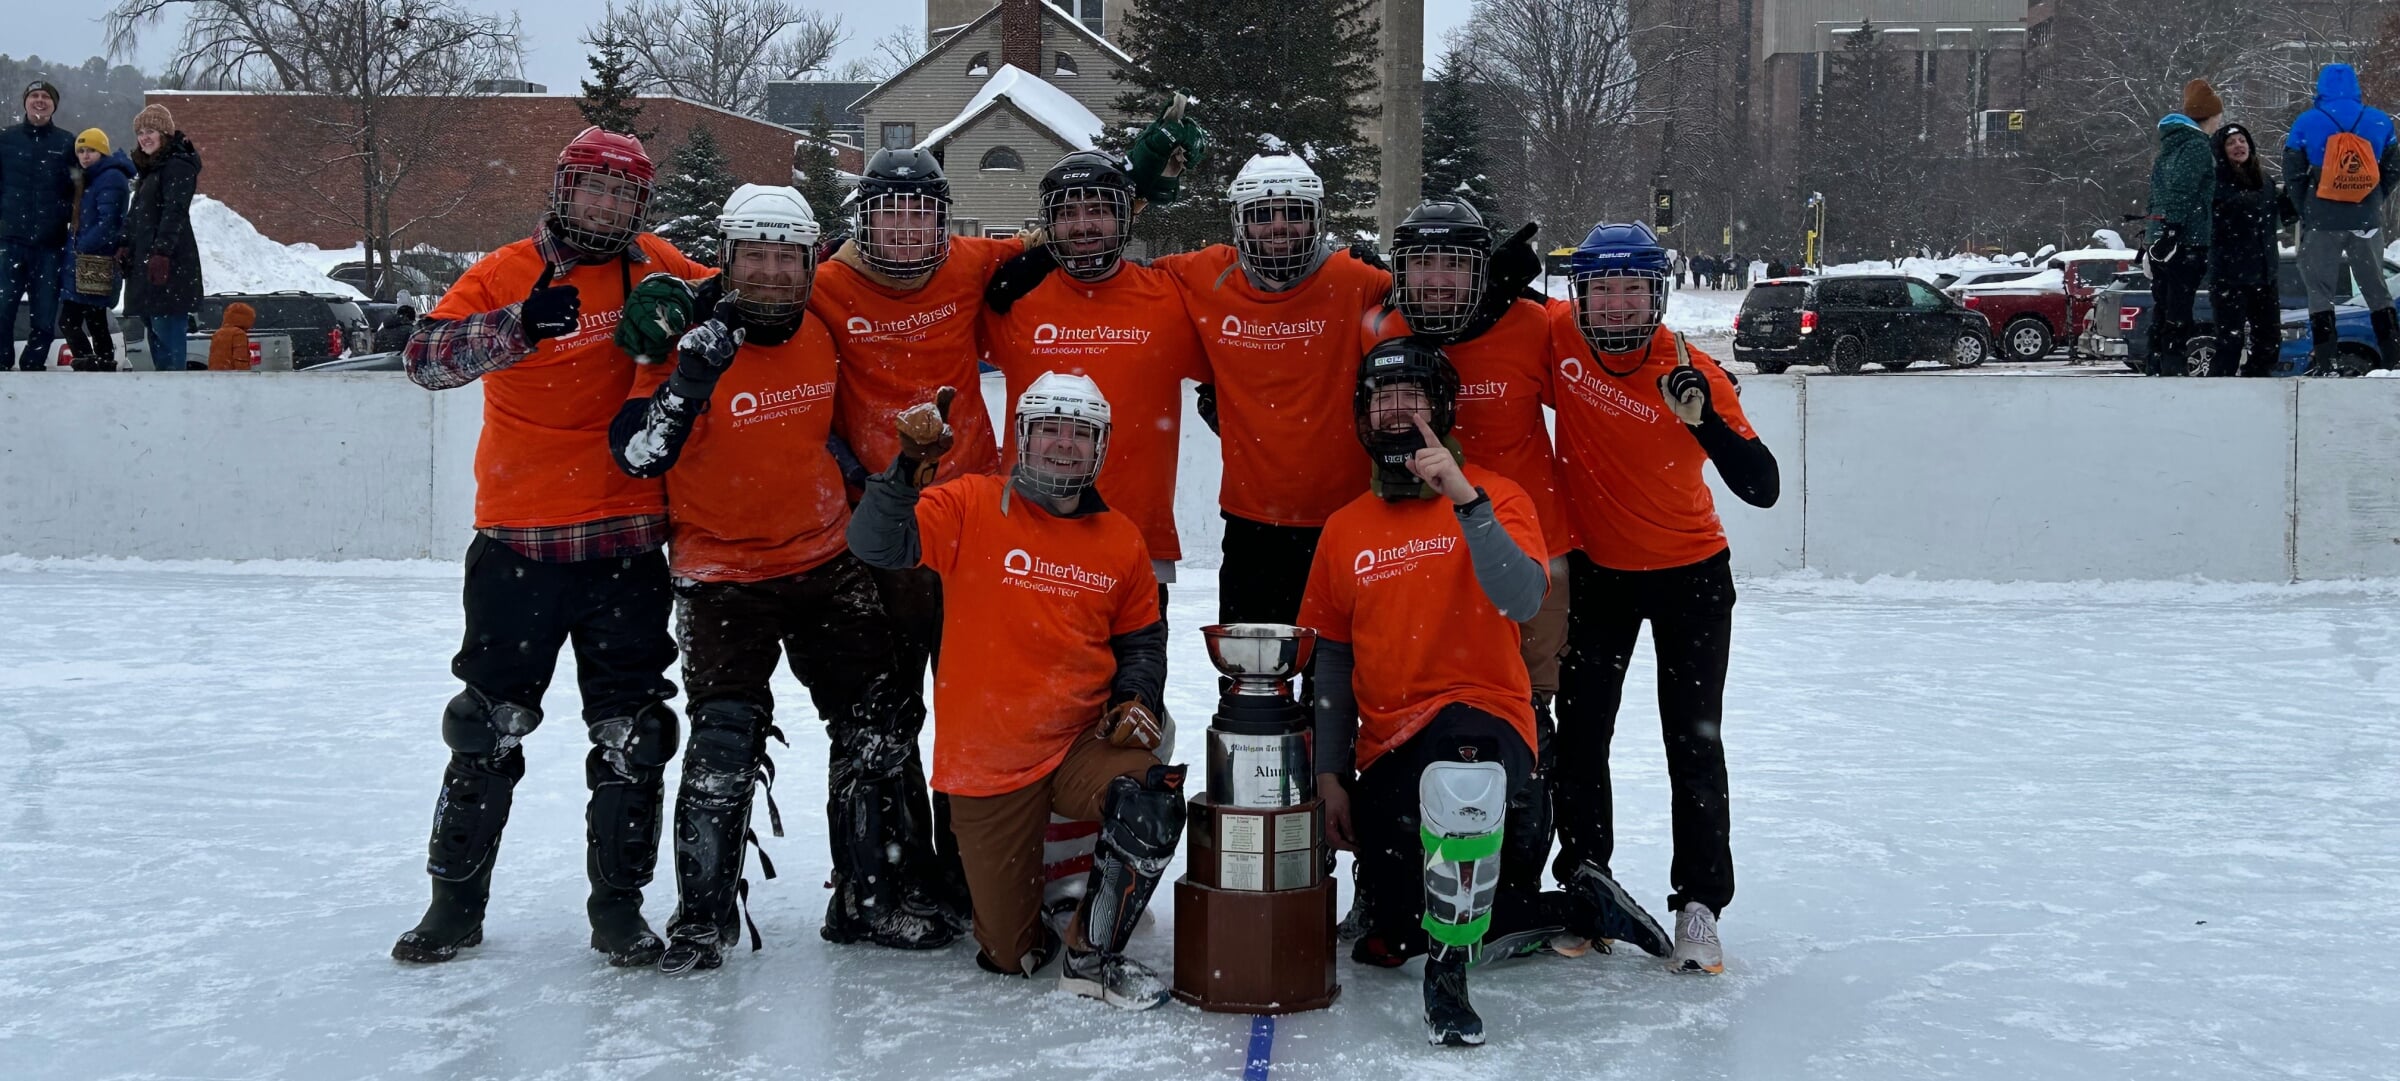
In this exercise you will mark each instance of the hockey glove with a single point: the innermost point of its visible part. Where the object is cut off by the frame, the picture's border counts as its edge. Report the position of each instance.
(1364, 251)
(1161, 153)
(1685, 388)
(705, 352)
(549, 310)
(660, 309)
(1515, 263)
(925, 436)
(1131, 725)
(2164, 249)
(1020, 275)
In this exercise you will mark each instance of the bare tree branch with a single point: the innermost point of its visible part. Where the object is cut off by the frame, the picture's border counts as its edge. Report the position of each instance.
(720, 52)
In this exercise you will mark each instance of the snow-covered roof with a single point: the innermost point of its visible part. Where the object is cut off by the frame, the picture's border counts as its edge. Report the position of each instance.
(2048, 281)
(1041, 102)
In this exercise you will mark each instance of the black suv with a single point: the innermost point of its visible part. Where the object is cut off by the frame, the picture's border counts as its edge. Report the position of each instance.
(1848, 322)
(320, 325)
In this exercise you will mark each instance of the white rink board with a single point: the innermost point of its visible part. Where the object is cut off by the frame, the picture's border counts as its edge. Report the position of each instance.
(2349, 476)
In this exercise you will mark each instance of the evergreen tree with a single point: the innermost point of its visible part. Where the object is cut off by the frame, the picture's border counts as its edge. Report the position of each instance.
(692, 190)
(608, 98)
(1271, 76)
(1455, 166)
(1864, 151)
(820, 176)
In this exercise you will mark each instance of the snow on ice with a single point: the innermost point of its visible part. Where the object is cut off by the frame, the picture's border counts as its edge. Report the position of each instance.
(1984, 831)
(236, 258)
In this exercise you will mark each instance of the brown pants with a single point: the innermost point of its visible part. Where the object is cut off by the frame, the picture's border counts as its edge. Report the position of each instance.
(1546, 633)
(1000, 839)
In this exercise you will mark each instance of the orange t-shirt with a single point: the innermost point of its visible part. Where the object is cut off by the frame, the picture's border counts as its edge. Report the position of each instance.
(1029, 602)
(1285, 366)
(543, 458)
(1131, 336)
(755, 494)
(1503, 383)
(1629, 472)
(1395, 581)
(898, 348)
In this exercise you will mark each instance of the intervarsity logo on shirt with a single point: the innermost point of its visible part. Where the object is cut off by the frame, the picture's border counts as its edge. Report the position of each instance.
(752, 407)
(1026, 570)
(1054, 334)
(1377, 564)
(1489, 390)
(591, 328)
(1270, 334)
(1602, 393)
(910, 326)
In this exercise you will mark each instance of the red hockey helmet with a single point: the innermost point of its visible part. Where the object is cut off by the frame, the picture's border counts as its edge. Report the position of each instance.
(601, 193)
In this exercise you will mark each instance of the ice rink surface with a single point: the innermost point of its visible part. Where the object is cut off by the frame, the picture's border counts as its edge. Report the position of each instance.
(2139, 831)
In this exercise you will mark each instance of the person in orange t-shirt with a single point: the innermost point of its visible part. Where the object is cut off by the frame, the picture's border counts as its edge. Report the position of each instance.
(1058, 713)
(757, 516)
(1282, 315)
(1416, 593)
(566, 547)
(1639, 412)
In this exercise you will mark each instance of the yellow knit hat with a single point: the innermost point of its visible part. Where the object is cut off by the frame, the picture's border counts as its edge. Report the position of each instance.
(92, 139)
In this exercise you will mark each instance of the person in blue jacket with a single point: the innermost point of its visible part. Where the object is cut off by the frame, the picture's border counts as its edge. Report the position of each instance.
(2341, 222)
(99, 229)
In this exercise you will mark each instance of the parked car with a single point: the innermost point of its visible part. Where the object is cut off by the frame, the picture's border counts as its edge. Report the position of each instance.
(2032, 316)
(1850, 321)
(2121, 324)
(322, 326)
(404, 277)
(1994, 275)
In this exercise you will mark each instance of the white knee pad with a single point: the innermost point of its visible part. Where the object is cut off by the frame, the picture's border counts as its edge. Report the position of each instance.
(1461, 806)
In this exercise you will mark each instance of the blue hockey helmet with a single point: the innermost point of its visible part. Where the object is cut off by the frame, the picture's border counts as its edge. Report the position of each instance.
(1619, 250)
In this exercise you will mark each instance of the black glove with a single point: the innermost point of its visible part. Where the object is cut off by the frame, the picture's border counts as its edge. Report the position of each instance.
(2168, 243)
(1364, 251)
(1686, 389)
(549, 310)
(1017, 277)
(705, 352)
(1515, 263)
(1208, 406)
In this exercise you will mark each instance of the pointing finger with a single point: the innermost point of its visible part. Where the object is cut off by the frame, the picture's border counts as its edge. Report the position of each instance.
(1683, 352)
(1426, 430)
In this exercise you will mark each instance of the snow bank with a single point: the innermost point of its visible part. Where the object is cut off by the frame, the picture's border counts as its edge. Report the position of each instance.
(1915, 266)
(236, 258)
(2052, 280)
(1692, 311)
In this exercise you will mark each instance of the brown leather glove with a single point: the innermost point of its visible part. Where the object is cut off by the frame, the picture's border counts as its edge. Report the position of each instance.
(925, 435)
(1130, 724)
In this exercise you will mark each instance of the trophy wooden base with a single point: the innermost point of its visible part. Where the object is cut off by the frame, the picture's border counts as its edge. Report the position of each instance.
(1246, 951)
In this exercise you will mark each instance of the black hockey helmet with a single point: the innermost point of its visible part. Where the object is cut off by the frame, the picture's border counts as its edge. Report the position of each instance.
(1441, 261)
(1391, 440)
(903, 212)
(1084, 247)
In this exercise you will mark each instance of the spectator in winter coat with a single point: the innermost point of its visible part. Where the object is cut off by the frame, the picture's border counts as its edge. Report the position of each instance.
(1775, 268)
(37, 196)
(2182, 178)
(2340, 203)
(98, 230)
(2241, 257)
(392, 336)
(229, 347)
(160, 257)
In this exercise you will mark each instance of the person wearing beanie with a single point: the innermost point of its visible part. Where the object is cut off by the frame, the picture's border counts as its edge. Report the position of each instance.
(89, 276)
(2340, 163)
(2182, 178)
(37, 197)
(159, 256)
(2242, 288)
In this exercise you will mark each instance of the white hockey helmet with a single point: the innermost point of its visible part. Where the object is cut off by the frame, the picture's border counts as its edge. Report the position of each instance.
(1281, 200)
(1056, 397)
(773, 285)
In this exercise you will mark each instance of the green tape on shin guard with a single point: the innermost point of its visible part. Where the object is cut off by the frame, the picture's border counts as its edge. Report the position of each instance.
(1460, 935)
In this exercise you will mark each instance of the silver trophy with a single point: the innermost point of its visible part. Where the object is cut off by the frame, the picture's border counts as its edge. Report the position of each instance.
(1258, 741)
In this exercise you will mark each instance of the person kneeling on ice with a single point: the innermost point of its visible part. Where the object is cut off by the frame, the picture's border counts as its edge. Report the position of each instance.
(1416, 594)
(1054, 657)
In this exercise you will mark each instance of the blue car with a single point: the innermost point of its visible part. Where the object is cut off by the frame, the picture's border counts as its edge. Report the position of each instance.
(2120, 328)
(2356, 353)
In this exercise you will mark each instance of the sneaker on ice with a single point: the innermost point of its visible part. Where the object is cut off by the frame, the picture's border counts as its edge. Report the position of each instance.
(1115, 979)
(1603, 910)
(1450, 1020)
(1696, 948)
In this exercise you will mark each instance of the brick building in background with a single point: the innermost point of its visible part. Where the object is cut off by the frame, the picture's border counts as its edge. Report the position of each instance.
(487, 187)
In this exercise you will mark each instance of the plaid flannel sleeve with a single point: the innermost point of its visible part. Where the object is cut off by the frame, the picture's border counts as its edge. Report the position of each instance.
(448, 353)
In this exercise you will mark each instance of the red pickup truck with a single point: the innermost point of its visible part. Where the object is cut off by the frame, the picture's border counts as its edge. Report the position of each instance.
(2032, 316)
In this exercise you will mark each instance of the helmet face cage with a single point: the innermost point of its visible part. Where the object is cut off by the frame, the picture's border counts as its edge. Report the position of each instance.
(904, 234)
(587, 206)
(1424, 368)
(1069, 214)
(1054, 481)
(774, 295)
(1438, 286)
(1291, 224)
(1600, 329)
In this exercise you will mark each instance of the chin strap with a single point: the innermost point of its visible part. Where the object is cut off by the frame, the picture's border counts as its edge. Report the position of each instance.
(1388, 476)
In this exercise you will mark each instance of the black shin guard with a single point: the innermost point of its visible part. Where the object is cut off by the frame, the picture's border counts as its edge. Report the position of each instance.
(626, 772)
(1140, 821)
(712, 821)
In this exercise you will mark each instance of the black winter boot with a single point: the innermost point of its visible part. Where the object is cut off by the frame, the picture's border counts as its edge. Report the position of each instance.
(453, 921)
(2323, 335)
(2387, 340)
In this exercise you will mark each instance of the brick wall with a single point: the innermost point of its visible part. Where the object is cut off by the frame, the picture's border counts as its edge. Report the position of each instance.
(264, 156)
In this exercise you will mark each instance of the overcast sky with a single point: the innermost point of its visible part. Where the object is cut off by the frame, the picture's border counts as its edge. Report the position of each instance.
(553, 30)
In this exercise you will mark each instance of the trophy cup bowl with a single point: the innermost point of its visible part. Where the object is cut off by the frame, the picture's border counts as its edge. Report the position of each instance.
(1259, 654)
